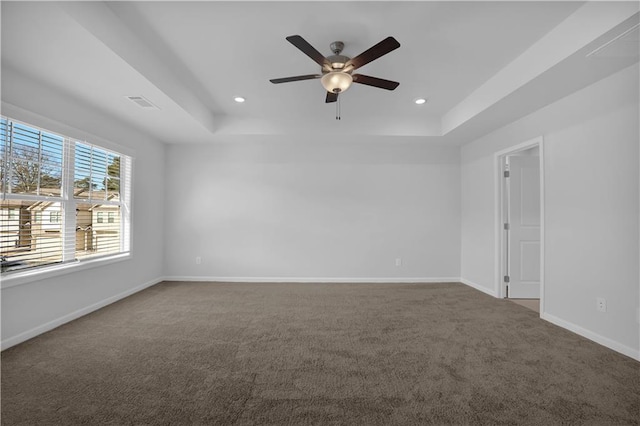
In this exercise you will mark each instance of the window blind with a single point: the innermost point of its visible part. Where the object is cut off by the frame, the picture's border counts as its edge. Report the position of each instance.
(61, 199)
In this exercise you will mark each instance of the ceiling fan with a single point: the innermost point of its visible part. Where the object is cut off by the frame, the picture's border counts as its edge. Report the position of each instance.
(337, 70)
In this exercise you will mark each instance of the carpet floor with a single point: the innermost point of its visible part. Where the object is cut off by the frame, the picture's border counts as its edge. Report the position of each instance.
(326, 354)
(533, 304)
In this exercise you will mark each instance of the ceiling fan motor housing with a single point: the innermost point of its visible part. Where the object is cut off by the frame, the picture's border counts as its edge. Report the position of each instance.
(337, 63)
(336, 60)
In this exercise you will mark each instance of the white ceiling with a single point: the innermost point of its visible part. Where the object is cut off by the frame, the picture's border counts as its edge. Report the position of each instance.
(192, 58)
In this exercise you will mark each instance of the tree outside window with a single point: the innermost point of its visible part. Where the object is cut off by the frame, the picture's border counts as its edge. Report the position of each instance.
(33, 163)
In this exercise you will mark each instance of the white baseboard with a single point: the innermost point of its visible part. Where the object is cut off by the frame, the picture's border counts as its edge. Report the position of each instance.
(29, 334)
(483, 289)
(316, 279)
(604, 341)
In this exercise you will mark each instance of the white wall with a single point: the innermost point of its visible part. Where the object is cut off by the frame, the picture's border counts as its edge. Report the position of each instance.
(31, 308)
(591, 178)
(265, 209)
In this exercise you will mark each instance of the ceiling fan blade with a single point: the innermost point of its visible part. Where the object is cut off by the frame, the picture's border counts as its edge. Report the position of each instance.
(331, 97)
(308, 50)
(380, 49)
(296, 78)
(375, 82)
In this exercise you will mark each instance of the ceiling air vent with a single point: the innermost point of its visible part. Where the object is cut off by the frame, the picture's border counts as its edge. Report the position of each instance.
(142, 102)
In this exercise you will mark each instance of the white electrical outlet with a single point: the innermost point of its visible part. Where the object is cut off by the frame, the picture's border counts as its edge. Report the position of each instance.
(398, 261)
(601, 304)
(198, 260)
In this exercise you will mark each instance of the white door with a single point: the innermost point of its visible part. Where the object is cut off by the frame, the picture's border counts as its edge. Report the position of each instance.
(524, 227)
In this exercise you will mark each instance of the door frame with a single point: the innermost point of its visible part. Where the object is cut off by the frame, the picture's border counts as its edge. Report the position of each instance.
(500, 249)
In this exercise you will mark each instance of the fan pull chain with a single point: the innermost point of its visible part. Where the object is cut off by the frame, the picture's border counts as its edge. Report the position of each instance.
(338, 117)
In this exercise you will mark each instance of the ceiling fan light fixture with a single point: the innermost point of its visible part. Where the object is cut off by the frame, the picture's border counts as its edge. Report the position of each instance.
(336, 81)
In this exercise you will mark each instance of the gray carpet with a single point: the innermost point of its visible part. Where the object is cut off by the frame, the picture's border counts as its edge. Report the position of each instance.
(327, 354)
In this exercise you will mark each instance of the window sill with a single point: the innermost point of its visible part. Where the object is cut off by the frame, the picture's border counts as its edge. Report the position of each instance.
(19, 278)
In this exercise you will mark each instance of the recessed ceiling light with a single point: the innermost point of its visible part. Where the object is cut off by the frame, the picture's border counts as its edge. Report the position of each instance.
(239, 99)
(420, 101)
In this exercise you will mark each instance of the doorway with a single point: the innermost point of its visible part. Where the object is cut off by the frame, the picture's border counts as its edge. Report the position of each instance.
(520, 222)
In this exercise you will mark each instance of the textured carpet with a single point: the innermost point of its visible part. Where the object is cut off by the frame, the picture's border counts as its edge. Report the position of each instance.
(533, 304)
(296, 354)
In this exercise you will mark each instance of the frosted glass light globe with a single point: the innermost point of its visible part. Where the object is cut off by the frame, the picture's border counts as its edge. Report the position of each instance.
(336, 81)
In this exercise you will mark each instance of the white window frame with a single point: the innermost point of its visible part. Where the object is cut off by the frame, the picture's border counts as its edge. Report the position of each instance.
(70, 264)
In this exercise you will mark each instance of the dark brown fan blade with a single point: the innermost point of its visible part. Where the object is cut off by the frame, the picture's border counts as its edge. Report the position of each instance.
(380, 49)
(331, 97)
(296, 78)
(308, 50)
(375, 82)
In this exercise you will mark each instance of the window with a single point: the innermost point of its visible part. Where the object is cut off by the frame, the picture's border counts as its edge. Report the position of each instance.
(56, 192)
(54, 217)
